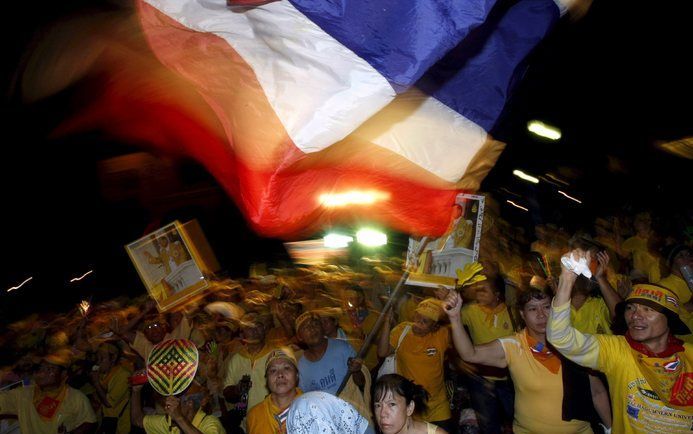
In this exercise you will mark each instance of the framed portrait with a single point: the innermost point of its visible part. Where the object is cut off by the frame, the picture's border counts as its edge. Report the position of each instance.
(442, 257)
(174, 262)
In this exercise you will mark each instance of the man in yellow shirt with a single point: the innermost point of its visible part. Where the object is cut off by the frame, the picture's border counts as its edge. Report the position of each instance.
(650, 372)
(269, 416)
(184, 414)
(50, 405)
(420, 356)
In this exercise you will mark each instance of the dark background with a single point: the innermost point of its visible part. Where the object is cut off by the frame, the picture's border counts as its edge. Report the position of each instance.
(615, 82)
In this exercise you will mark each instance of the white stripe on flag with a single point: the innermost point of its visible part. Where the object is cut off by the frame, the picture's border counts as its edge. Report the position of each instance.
(320, 90)
(426, 132)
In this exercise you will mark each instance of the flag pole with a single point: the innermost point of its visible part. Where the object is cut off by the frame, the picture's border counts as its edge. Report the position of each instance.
(395, 294)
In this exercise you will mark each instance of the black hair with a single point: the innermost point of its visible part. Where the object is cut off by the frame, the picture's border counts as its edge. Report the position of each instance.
(498, 284)
(529, 295)
(401, 386)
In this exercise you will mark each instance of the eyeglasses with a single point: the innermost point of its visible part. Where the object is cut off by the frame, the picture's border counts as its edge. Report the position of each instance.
(152, 326)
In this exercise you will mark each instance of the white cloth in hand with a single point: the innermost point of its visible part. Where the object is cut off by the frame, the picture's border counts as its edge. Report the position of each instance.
(577, 266)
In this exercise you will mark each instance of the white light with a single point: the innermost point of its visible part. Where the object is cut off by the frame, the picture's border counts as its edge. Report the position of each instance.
(20, 285)
(76, 279)
(371, 237)
(336, 241)
(522, 175)
(570, 197)
(544, 130)
(353, 197)
(516, 205)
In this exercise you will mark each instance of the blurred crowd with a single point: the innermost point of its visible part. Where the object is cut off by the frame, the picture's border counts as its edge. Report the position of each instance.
(284, 351)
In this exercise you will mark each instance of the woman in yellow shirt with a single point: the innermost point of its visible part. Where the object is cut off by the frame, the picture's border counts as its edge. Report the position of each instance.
(269, 416)
(535, 370)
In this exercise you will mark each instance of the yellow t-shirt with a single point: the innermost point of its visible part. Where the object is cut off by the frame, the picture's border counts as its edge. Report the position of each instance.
(593, 317)
(636, 408)
(356, 336)
(242, 363)
(538, 392)
(486, 327)
(118, 395)
(206, 423)
(420, 359)
(678, 286)
(73, 411)
(643, 260)
(262, 418)
(481, 330)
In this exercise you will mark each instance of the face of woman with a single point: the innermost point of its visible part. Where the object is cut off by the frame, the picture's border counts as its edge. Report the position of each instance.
(392, 413)
(536, 314)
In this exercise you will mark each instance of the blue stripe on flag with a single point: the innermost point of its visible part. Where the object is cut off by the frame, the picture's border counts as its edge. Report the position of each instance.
(401, 39)
(476, 77)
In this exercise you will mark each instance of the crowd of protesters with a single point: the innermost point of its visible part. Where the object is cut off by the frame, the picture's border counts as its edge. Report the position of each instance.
(571, 333)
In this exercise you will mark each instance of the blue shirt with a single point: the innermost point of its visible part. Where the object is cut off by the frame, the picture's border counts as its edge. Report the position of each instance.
(326, 374)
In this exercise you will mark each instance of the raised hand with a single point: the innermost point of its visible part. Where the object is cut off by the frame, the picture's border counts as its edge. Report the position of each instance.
(453, 304)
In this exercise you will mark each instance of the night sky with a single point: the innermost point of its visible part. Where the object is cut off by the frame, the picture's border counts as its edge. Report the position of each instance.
(614, 82)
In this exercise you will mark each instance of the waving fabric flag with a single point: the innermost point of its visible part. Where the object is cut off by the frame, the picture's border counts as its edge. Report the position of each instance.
(313, 112)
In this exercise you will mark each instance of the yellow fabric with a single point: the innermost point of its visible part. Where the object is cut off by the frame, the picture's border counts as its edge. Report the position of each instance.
(592, 317)
(262, 418)
(356, 336)
(420, 359)
(407, 309)
(360, 400)
(643, 260)
(431, 428)
(431, 308)
(482, 328)
(242, 363)
(538, 392)
(73, 412)
(635, 408)
(678, 286)
(206, 423)
(143, 347)
(118, 395)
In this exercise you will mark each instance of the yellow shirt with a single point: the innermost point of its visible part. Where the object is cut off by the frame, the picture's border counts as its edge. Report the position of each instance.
(262, 418)
(73, 411)
(635, 408)
(643, 260)
(486, 327)
(678, 286)
(593, 317)
(358, 334)
(118, 395)
(242, 363)
(538, 392)
(206, 423)
(420, 359)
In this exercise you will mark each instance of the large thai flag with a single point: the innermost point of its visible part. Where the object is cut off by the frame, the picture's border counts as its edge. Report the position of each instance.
(298, 107)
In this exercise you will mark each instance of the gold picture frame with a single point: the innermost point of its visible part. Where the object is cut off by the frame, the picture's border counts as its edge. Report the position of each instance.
(174, 262)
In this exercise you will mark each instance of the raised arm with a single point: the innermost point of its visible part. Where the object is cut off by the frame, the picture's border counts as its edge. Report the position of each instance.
(490, 354)
(581, 348)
